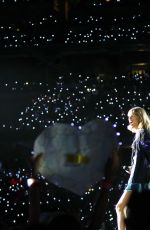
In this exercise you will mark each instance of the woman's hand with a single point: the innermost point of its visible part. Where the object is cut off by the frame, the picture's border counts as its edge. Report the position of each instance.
(127, 169)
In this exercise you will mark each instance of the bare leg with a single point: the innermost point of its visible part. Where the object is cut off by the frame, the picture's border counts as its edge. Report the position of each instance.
(120, 209)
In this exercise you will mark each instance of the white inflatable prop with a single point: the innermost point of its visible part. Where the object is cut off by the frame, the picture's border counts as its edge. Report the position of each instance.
(74, 158)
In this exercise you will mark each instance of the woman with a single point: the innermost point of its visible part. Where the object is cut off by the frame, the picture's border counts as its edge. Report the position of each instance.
(139, 123)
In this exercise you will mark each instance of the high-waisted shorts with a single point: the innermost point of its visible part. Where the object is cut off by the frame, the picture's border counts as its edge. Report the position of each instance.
(139, 187)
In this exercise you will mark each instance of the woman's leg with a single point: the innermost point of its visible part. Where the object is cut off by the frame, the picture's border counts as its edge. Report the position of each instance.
(120, 209)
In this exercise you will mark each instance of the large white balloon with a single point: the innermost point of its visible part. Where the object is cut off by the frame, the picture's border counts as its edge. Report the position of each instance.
(75, 158)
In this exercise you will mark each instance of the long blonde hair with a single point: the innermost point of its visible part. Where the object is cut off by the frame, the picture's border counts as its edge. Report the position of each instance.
(143, 117)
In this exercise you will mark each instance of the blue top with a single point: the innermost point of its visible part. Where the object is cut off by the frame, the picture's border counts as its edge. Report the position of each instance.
(140, 166)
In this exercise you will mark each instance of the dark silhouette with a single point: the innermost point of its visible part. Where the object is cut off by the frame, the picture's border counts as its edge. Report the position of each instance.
(138, 214)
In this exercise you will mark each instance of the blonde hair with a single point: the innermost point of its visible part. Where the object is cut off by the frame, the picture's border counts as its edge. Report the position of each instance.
(143, 116)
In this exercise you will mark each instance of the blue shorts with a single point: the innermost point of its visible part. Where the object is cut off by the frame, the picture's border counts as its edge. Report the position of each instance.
(139, 187)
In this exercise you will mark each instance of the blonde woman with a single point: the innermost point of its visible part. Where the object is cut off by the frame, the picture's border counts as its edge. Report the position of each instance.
(139, 124)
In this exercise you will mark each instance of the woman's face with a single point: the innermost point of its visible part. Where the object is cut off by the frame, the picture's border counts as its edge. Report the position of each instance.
(133, 120)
